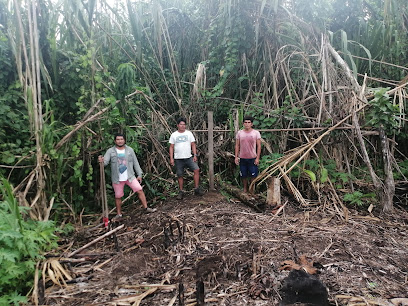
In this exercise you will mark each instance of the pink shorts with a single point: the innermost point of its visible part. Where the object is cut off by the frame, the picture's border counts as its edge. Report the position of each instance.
(135, 185)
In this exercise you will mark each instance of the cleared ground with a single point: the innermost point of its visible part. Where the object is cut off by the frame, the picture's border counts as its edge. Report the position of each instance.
(237, 253)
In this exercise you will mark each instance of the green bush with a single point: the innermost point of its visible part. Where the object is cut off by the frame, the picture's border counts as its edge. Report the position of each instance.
(22, 243)
(360, 199)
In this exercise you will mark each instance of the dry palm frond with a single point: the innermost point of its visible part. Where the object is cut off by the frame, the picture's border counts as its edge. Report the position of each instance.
(295, 155)
(292, 188)
(200, 81)
(299, 153)
(399, 101)
(55, 272)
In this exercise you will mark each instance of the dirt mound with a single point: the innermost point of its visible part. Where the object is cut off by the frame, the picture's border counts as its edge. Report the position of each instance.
(236, 254)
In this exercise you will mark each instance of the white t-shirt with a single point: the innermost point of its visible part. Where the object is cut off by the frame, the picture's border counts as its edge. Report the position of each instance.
(122, 164)
(182, 144)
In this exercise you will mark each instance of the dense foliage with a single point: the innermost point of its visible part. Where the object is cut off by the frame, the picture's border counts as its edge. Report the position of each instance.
(184, 58)
(96, 52)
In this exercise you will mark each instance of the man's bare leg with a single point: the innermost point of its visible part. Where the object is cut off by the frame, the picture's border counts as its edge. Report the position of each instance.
(142, 198)
(180, 182)
(196, 178)
(118, 202)
(245, 183)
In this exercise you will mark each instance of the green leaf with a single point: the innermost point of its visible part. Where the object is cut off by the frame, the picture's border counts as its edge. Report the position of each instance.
(311, 174)
(324, 175)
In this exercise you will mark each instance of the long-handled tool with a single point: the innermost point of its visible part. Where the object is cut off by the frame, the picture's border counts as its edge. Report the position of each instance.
(105, 210)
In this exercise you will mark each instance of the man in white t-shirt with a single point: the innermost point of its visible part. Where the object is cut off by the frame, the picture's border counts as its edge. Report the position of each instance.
(248, 151)
(182, 142)
(124, 164)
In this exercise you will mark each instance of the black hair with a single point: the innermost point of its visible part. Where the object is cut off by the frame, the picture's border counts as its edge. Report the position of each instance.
(250, 118)
(119, 135)
(301, 287)
(181, 119)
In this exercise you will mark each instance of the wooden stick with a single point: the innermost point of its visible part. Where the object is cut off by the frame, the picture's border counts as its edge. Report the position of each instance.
(211, 150)
(172, 301)
(280, 130)
(181, 294)
(278, 211)
(200, 294)
(159, 286)
(192, 303)
(96, 240)
(104, 263)
(95, 254)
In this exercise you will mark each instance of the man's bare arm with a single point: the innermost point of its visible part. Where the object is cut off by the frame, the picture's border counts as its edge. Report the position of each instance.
(194, 149)
(171, 151)
(258, 151)
(237, 144)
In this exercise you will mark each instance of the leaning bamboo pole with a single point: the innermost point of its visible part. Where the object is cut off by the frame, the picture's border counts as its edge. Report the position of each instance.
(387, 188)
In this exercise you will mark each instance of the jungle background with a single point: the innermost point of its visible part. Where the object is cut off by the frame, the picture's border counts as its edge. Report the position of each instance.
(325, 80)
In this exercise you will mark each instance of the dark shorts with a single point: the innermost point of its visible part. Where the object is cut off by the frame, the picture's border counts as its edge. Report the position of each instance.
(184, 163)
(247, 168)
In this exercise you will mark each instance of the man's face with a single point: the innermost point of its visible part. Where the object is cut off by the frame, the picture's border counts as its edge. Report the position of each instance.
(247, 124)
(181, 126)
(120, 141)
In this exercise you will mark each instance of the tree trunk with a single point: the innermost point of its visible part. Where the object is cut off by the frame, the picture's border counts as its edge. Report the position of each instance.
(389, 186)
(374, 177)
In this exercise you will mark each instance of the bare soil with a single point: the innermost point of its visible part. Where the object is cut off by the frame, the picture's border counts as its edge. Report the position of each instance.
(237, 253)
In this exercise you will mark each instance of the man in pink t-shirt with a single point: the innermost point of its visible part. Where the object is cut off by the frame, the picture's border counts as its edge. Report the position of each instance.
(248, 151)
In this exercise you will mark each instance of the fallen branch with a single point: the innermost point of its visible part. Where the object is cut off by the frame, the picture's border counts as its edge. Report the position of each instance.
(137, 299)
(245, 198)
(87, 118)
(96, 240)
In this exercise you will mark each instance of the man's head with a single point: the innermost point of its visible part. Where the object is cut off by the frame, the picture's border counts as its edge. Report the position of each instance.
(181, 124)
(248, 122)
(120, 140)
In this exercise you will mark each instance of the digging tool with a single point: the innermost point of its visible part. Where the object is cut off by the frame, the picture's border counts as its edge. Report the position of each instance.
(105, 210)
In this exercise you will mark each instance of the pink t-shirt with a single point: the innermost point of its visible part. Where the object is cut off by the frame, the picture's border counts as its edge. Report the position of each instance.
(247, 143)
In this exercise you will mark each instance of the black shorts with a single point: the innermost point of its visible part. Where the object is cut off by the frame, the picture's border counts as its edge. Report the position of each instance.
(247, 168)
(183, 163)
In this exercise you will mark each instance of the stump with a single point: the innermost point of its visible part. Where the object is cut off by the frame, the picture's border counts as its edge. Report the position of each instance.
(273, 196)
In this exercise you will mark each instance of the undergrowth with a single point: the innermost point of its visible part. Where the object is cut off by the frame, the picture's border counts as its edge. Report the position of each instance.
(22, 243)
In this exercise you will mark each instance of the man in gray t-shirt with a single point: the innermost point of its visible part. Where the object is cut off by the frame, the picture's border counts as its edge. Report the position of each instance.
(124, 164)
(182, 142)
